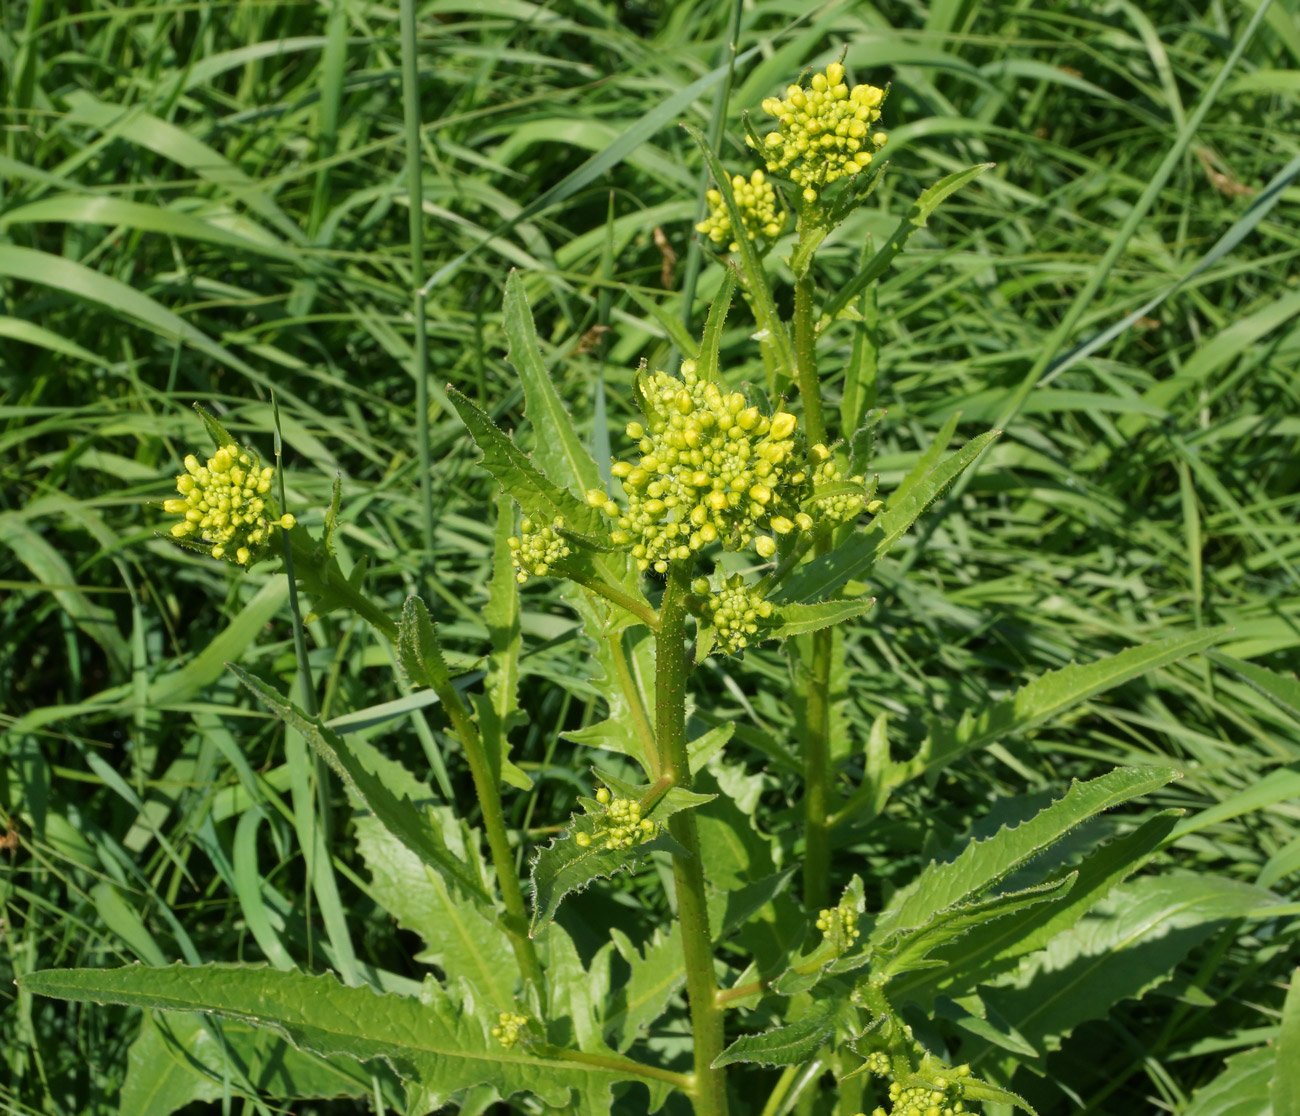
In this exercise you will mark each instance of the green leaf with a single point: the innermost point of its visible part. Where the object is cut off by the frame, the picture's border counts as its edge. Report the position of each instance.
(413, 827)
(983, 863)
(1281, 688)
(461, 936)
(782, 1046)
(989, 949)
(558, 450)
(654, 976)
(176, 1060)
(984, 1092)
(219, 434)
(437, 1047)
(418, 648)
(1123, 947)
(706, 366)
(916, 218)
(1285, 1088)
(926, 462)
(1242, 1089)
(1051, 695)
(911, 950)
(564, 866)
(535, 493)
(799, 619)
(822, 576)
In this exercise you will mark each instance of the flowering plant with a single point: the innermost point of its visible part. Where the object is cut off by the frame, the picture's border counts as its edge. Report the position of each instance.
(737, 517)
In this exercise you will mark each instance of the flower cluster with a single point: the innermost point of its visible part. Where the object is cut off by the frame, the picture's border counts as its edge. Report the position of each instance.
(878, 1063)
(840, 924)
(941, 1098)
(537, 549)
(840, 507)
(711, 469)
(823, 132)
(506, 1032)
(227, 503)
(756, 201)
(737, 611)
(619, 825)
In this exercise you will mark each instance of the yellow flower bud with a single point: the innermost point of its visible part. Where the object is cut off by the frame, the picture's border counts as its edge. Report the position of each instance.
(765, 545)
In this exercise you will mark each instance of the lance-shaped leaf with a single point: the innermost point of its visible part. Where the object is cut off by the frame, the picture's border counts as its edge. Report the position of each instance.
(434, 1045)
(1052, 694)
(825, 575)
(535, 493)
(986, 950)
(565, 866)
(916, 218)
(1281, 688)
(983, 863)
(706, 367)
(413, 827)
(911, 950)
(782, 1046)
(558, 449)
(1122, 949)
(799, 619)
(1242, 1089)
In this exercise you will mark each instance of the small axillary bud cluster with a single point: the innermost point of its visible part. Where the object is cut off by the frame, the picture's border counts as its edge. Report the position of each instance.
(941, 1098)
(756, 201)
(839, 508)
(227, 503)
(738, 612)
(840, 925)
(618, 826)
(536, 550)
(711, 470)
(506, 1032)
(823, 132)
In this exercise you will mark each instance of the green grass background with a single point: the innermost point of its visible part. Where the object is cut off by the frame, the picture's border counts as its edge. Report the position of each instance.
(207, 201)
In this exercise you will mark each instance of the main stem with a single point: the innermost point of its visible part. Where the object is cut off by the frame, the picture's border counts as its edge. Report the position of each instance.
(671, 670)
(494, 822)
(817, 850)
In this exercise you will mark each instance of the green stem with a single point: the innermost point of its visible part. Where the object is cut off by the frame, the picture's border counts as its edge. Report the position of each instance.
(805, 358)
(672, 666)
(632, 692)
(486, 785)
(415, 206)
(682, 1081)
(817, 853)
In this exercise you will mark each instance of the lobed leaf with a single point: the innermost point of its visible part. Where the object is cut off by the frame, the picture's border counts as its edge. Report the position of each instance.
(413, 827)
(982, 864)
(435, 1045)
(799, 619)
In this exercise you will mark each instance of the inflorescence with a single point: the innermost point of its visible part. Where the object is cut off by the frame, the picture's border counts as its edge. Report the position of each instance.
(738, 612)
(823, 132)
(227, 503)
(756, 201)
(619, 825)
(506, 1032)
(536, 550)
(711, 470)
(840, 925)
(940, 1098)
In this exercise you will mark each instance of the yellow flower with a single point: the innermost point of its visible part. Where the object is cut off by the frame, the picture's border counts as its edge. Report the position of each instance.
(227, 502)
(823, 132)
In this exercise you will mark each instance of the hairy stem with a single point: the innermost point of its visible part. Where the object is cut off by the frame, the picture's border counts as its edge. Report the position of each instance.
(682, 1081)
(641, 611)
(817, 858)
(671, 669)
(486, 785)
